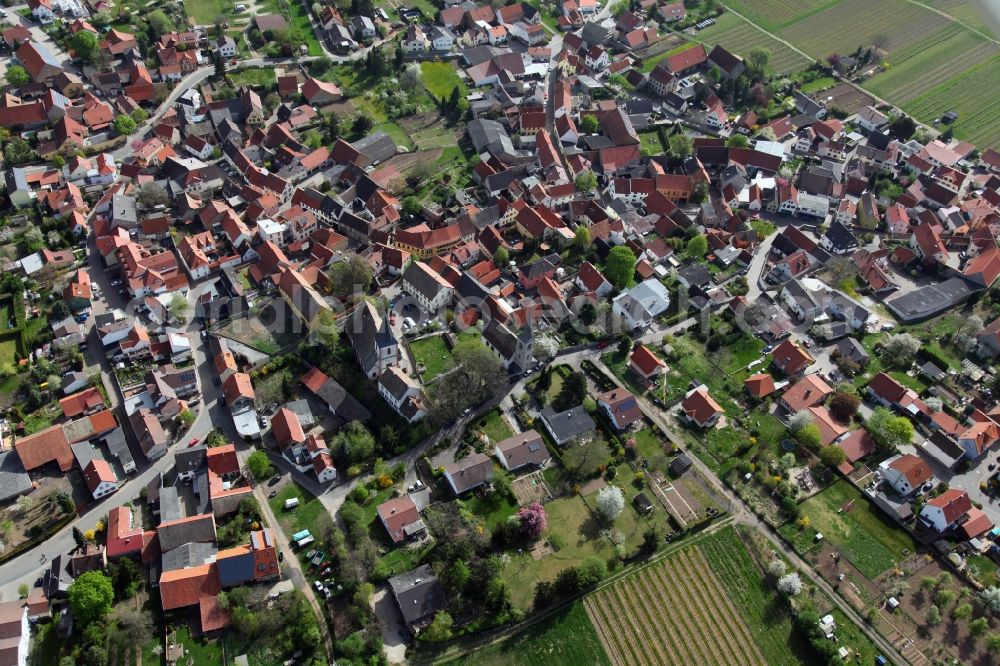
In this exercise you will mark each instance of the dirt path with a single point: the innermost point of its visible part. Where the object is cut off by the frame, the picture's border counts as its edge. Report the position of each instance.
(294, 568)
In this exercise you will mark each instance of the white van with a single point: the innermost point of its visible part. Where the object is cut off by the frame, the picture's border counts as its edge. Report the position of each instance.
(291, 503)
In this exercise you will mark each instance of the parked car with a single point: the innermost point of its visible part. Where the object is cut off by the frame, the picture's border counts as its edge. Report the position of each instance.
(274, 479)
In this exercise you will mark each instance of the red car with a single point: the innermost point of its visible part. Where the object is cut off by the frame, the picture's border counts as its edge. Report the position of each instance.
(602, 345)
(193, 442)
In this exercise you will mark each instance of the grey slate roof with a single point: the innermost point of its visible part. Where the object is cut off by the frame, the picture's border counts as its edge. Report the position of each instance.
(369, 331)
(470, 472)
(377, 146)
(13, 479)
(188, 555)
(565, 426)
(418, 593)
(177, 533)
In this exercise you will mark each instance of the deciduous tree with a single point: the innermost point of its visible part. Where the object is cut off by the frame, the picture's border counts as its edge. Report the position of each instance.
(90, 597)
(610, 502)
(620, 266)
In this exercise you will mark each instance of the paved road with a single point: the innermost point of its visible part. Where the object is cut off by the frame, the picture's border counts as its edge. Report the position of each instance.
(28, 566)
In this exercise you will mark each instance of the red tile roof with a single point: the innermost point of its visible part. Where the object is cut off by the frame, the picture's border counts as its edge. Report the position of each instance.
(857, 445)
(808, 391)
(977, 524)
(97, 472)
(286, 427)
(760, 385)
(646, 362)
(687, 59)
(700, 406)
(954, 504)
(186, 587)
(396, 514)
(913, 468)
(122, 538)
(791, 358)
(78, 403)
(49, 445)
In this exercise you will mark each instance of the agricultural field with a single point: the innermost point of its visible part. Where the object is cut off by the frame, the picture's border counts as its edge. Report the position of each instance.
(754, 598)
(775, 14)
(923, 63)
(963, 10)
(842, 27)
(741, 37)
(856, 528)
(566, 638)
(975, 95)
(702, 605)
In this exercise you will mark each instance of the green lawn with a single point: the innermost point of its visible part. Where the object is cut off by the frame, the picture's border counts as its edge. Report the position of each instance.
(650, 143)
(821, 83)
(5, 315)
(494, 426)
(770, 429)
(440, 78)
(494, 509)
(204, 11)
(200, 651)
(253, 77)
(434, 354)
(574, 535)
(649, 445)
(756, 600)
(310, 514)
(863, 534)
(398, 134)
(298, 22)
(8, 354)
(567, 638)
(735, 357)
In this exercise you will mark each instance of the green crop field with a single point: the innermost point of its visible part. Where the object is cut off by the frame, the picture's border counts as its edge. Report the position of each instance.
(753, 596)
(975, 95)
(926, 62)
(673, 612)
(740, 37)
(962, 10)
(860, 531)
(936, 63)
(841, 28)
(567, 638)
(775, 14)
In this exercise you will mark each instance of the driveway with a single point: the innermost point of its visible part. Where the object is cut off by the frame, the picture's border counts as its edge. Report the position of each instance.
(391, 622)
(292, 567)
